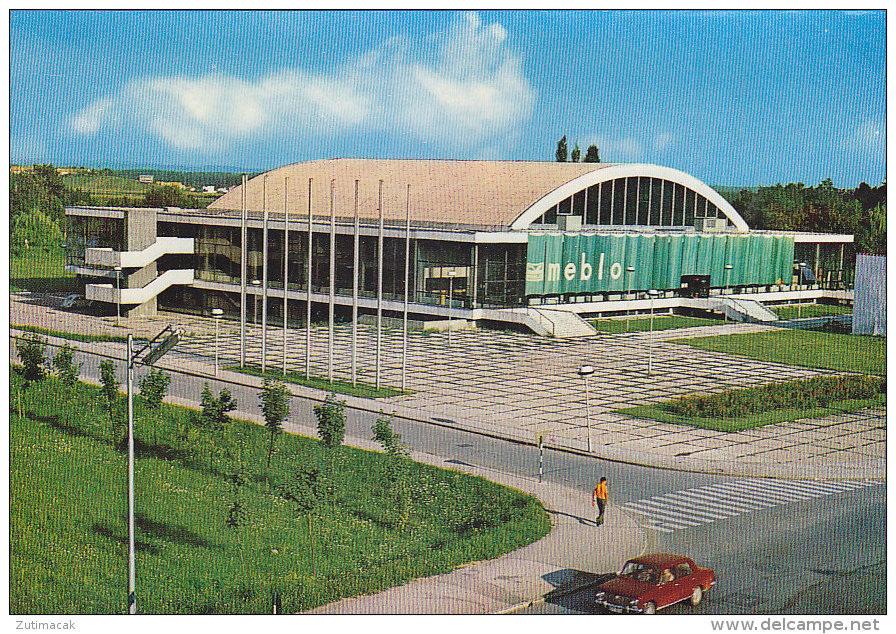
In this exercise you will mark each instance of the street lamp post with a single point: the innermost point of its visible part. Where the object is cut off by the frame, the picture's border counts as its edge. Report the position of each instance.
(585, 371)
(216, 313)
(629, 270)
(118, 296)
(728, 268)
(652, 294)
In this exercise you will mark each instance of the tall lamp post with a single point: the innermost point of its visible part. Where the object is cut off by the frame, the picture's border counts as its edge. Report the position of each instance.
(216, 313)
(118, 303)
(652, 293)
(799, 289)
(728, 268)
(585, 371)
(629, 270)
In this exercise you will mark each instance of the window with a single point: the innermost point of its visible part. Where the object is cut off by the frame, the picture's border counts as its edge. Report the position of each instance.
(605, 196)
(683, 569)
(592, 201)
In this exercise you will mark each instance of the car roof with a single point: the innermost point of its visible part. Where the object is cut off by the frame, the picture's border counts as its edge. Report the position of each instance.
(659, 560)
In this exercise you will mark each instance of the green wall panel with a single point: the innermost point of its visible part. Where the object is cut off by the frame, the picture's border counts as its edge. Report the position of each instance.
(591, 263)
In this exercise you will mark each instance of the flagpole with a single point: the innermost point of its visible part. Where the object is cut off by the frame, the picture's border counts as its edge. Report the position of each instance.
(355, 291)
(285, 264)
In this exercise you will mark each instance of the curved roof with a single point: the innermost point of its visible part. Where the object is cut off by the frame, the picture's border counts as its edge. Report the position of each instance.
(496, 193)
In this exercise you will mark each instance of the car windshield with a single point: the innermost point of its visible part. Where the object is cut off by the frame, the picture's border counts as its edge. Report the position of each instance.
(639, 572)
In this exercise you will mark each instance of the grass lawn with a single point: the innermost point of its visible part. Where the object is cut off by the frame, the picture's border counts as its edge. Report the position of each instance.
(40, 272)
(68, 529)
(340, 387)
(642, 324)
(655, 411)
(68, 335)
(861, 354)
(811, 310)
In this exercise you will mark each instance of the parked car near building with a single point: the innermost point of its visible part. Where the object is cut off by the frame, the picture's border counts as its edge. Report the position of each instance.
(652, 582)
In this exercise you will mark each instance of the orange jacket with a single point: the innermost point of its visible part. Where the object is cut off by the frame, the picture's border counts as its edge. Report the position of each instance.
(600, 491)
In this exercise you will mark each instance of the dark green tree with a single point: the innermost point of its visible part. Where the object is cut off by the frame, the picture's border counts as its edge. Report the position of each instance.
(398, 467)
(576, 153)
(110, 393)
(592, 155)
(169, 196)
(153, 387)
(331, 421)
(66, 368)
(275, 406)
(31, 350)
(561, 150)
(213, 415)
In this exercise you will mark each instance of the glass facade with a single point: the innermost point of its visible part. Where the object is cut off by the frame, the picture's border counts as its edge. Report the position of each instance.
(634, 201)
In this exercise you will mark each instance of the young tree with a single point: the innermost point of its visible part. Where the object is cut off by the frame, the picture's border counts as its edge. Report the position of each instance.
(398, 470)
(110, 384)
(153, 387)
(592, 155)
(561, 150)
(275, 406)
(331, 421)
(213, 416)
(31, 349)
(309, 490)
(576, 153)
(66, 368)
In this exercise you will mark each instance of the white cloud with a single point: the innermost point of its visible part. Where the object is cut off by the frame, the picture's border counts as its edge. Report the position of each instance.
(472, 90)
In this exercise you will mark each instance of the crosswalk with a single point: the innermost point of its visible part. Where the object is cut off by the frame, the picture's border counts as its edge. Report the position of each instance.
(704, 505)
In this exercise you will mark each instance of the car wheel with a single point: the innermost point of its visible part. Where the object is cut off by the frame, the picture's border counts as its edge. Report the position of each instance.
(650, 608)
(697, 596)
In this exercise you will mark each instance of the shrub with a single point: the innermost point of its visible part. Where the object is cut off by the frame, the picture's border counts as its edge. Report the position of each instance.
(66, 368)
(331, 421)
(153, 387)
(804, 394)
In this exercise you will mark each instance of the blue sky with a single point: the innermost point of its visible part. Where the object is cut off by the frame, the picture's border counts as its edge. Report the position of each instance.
(735, 98)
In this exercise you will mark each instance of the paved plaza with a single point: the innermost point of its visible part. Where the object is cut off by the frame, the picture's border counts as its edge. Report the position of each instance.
(518, 385)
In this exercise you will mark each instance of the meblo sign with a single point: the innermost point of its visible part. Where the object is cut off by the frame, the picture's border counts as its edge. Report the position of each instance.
(581, 263)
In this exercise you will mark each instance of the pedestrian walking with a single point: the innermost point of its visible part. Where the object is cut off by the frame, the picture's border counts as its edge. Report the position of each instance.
(599, 497)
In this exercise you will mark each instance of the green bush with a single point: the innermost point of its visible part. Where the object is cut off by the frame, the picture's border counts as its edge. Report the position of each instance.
(804, 394)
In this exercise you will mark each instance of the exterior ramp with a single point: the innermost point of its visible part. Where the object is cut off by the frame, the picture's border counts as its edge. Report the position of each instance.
(746, 310)
(561, 323)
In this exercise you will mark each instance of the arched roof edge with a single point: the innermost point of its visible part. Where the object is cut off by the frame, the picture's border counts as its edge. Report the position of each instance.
(621, 170)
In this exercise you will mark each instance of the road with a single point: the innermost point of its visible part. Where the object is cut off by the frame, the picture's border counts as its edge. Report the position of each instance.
(820, 555)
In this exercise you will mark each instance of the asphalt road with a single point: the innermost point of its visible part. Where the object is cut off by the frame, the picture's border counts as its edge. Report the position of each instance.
(823, 555)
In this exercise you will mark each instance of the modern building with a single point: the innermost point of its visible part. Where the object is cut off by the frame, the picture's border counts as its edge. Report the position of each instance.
(527, 243)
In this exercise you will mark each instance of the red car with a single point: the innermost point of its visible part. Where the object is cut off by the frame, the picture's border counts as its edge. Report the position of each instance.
(652, 582)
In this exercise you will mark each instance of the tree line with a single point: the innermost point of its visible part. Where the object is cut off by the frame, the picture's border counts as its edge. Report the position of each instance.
(38, 198)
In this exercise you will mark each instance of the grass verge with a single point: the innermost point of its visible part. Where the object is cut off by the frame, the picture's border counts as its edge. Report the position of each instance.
(68, 528)
(858, 354)
(655, 411)
(746, 408)
(68, 335)
(642, 324)
(41, 272)
(340, 387)
(810, 310)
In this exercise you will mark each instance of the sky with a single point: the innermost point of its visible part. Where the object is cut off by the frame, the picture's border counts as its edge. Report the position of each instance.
(736, 98)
